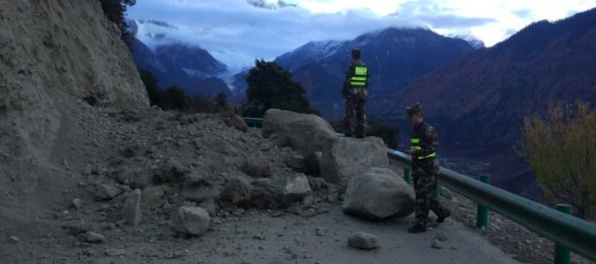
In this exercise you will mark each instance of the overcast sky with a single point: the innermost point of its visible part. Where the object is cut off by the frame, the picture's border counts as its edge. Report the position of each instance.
(236, 32)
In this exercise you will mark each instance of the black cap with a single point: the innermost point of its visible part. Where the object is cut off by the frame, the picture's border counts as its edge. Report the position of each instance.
(356, 52)
(414, 109)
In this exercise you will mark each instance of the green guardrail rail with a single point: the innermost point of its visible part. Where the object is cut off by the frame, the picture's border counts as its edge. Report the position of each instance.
(564, 229)
(254, 122)
(568, 232)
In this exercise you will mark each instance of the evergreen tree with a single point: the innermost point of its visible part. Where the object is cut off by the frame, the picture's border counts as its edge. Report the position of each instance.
(271, 86)
(221, 99)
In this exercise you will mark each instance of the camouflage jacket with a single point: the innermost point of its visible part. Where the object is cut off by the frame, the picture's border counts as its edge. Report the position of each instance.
(426, 135)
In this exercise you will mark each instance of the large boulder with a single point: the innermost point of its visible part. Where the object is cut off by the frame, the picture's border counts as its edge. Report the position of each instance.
(305, 133)
(378, 194)
(192, 221)
(348, 157)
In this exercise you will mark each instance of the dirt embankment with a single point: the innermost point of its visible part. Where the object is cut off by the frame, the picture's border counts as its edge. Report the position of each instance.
(53, 53)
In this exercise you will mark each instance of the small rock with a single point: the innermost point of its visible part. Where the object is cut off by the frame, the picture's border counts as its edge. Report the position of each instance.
(309, 213)
(446, 193)
(320, 232)
(209, 206)
(106, 192)
(113, 252)
(128, 152)
(192, 220)
(308, 200)
(131, 210)
(442, 237)
(317, 184)
(331, 198)
(297, 187)
(257, 167)
(153, 197)
(437, 244)
(13, 239)
(259, 237)
(363, 240)
(95, 238)
(77, 203)
(276, 214)
(295, 210)
(237, 191)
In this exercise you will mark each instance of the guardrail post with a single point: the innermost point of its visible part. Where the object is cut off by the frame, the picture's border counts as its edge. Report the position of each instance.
(482, 216)
(408, 175)
(562, 254)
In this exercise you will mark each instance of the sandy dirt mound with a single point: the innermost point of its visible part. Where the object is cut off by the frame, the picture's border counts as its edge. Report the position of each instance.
(53, 53)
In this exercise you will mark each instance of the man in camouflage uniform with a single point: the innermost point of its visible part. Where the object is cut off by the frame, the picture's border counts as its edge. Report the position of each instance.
(355, 92)
(425, 167)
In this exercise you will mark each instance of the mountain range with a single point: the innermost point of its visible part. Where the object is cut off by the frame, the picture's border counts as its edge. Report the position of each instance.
(184, 65)
(395, 57)
(477, 97)
(479, 100)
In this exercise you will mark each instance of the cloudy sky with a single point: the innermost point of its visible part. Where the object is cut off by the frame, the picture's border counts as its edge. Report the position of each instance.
(236, 32)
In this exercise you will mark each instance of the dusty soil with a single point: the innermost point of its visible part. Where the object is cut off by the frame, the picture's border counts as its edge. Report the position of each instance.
(252, 236)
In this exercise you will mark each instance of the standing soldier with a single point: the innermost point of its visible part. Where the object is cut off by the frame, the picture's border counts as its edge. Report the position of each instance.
(425, 167)
(355, 92)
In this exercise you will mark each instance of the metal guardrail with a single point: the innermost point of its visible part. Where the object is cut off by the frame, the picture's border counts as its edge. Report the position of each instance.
(254, 122)
(565, 230)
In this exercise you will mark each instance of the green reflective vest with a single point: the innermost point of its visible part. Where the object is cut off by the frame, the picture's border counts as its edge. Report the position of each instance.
(359, 78)
(415, 145)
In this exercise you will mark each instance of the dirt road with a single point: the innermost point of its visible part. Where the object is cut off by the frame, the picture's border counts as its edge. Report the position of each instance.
(258, 237)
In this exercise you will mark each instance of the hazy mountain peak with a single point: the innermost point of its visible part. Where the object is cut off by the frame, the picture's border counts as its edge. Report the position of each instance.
(474, 41)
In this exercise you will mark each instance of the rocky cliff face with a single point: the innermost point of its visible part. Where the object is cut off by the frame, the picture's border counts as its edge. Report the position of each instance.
(53, 54)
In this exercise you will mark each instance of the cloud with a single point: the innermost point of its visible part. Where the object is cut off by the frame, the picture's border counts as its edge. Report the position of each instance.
(237, 33)
(523, 13)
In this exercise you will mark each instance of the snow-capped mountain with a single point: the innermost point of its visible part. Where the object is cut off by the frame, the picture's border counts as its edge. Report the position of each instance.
(395, 57)
(187, 66)
(475, 42)
(308, 53)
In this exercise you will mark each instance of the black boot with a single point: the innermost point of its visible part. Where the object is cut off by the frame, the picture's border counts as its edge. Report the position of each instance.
(443, 216)
(417, 228)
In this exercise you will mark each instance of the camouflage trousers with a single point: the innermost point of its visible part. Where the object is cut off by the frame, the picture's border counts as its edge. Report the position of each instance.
(425, 179)
(355, 112)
